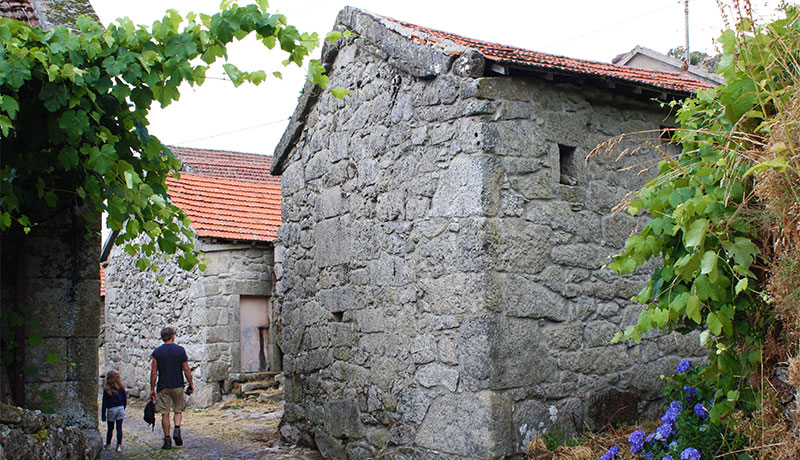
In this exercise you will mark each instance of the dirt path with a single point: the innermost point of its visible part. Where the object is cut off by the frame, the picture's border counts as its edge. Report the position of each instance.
(234, 430)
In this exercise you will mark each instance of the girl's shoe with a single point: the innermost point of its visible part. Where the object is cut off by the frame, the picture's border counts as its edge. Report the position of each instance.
(119, 448)
(107, 446)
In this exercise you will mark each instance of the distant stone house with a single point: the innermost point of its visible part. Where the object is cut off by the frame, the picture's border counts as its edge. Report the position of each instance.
(442, 288)
(222, 314)
(645, 58)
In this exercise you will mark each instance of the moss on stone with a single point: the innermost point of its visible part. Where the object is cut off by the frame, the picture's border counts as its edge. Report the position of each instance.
(41, 435)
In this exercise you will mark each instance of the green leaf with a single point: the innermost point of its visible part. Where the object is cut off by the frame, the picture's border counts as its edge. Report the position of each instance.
(708, 263)
(234, 74)
(35, 339)
(741, 285)
(51, 358)
(339, 92)
(696, 233)
(693, 309)
(333, 35)
(779, 164)
(713, 323)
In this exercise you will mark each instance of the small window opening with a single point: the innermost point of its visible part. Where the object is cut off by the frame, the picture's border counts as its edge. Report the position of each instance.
(567, 166)
(338, 316)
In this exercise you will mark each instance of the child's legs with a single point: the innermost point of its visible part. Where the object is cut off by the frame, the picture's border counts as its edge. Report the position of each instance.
(119, 432)
(110, 432)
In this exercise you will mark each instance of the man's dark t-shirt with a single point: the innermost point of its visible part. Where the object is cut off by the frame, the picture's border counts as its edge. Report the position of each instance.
(169, 360)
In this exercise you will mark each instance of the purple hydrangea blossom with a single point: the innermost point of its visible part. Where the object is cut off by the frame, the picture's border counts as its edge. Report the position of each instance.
(649, 456)
(683, 366)
(667, 457)
(636, 439)
(692, 393)
(611, 453)
(664, 431)
(701, 411)
(690, 453)
(650, 438)
(672, 413)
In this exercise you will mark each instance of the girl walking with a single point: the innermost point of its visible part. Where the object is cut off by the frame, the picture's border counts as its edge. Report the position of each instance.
(115, 399)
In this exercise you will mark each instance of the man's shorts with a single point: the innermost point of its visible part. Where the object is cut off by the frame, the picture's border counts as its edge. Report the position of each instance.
(170, 397)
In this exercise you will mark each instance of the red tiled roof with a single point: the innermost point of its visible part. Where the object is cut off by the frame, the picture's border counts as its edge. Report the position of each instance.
(21, 10)
(513, 56)
(224, 164)
(229, 209)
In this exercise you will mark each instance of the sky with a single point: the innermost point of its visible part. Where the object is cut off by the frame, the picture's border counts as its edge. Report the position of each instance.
(252, 119)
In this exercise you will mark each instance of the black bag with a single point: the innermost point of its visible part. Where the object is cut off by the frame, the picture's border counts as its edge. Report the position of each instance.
(150, 414)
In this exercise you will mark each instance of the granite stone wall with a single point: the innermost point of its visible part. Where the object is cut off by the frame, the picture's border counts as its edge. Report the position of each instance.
(56, 264)
(30, 435)
(441, 282)
(203, 308)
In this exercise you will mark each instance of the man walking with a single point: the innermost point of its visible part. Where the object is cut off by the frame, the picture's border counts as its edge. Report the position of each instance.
(170, 364)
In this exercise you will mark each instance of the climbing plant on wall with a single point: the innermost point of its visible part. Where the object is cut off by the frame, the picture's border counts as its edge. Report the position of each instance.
(74, 107)
(707, 221)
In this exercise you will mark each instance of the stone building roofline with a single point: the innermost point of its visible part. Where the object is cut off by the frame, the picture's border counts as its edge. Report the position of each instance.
(425, 53)
(697, 71)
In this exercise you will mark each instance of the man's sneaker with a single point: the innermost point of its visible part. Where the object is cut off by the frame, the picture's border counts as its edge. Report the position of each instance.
(176, 435)
(167, 443)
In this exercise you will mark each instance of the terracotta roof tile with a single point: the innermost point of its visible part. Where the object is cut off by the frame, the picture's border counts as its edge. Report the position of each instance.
(225, 164)
(21, 10)
(512, 56)
(228, 209)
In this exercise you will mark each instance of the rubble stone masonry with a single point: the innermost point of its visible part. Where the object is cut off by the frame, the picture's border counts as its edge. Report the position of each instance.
(441, 271)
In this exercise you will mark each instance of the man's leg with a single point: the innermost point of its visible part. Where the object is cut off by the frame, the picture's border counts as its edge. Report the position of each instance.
(177, 434)
(165, 423)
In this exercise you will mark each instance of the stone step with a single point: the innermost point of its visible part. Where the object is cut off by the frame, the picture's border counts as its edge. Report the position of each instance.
(253, 376)
(258, 385)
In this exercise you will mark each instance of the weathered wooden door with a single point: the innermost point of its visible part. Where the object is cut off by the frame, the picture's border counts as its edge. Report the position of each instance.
(254, 320)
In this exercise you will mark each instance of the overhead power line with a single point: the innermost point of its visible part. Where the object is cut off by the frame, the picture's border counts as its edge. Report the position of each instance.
(282, 120)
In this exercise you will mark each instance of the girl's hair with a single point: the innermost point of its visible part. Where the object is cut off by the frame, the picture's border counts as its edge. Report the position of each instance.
(113, 382)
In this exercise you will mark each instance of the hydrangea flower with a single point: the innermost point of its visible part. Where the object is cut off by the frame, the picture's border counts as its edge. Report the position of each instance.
(667, 457)
(673, 445)
(649, 456)
(636, 439)
(692, 393)
(701, 411)
(611, 454)
(650, 438)
(664, 432)
(683, 366)
(690, 453)
(672, 413)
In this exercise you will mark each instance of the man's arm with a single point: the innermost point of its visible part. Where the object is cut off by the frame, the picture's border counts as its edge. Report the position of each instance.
(188, 373)
(153, 375)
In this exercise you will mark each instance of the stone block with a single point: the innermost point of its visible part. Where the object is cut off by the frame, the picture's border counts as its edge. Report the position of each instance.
(332, 243)
(423, 349)
(343, 419)
(460, 294)
(483, 415)
(225, 334)
(500, 353)
(524, 298)
(617, 228)
(587, 256)
(468, 187)
(521, 247)
(435, 374)
(330, 447)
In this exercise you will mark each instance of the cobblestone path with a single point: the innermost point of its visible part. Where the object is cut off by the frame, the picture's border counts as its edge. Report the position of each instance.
(235, 430)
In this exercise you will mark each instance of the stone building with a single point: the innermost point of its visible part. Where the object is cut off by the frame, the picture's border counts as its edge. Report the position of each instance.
(222, 314)
(441, 260)
(50, 277)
